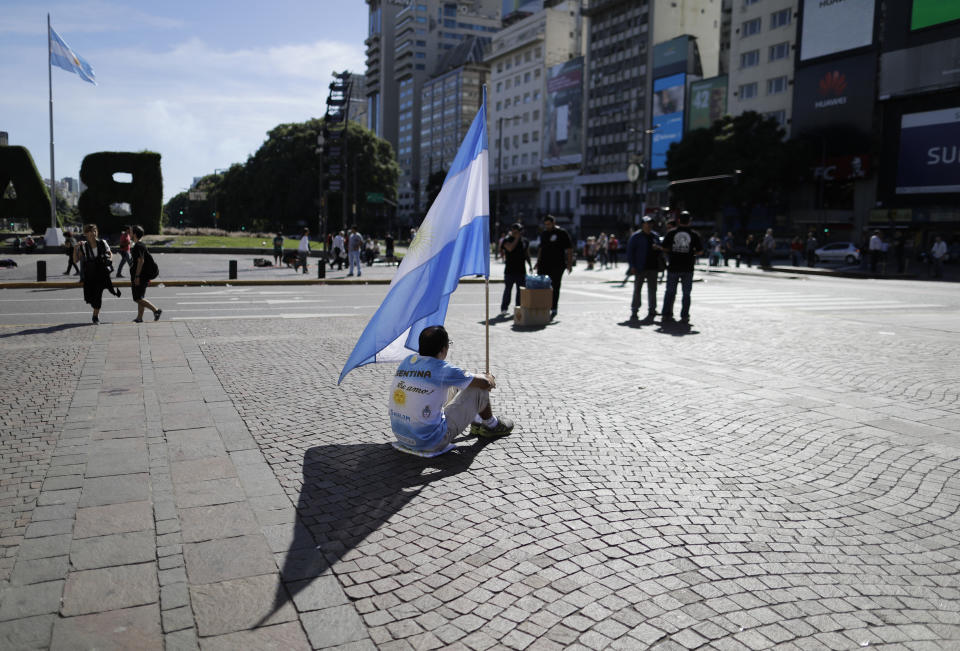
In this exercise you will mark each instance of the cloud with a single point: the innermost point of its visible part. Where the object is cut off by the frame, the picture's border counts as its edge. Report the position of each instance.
(201, 107)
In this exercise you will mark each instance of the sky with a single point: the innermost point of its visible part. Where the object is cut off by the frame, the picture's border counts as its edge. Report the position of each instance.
(199, 82)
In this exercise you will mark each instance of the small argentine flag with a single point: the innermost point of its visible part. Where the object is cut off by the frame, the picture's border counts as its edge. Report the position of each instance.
(63, 57)
(453, 242)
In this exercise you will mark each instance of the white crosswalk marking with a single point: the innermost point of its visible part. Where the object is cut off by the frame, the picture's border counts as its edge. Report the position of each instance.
(705, 295)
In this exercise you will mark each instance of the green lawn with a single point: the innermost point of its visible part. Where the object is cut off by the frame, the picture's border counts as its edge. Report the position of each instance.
(213, 241)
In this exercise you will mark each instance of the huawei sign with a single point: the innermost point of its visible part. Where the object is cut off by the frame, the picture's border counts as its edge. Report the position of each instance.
(832, 86)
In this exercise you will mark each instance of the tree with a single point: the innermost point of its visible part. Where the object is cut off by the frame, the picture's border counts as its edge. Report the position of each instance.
(277, 188)
(750, 143)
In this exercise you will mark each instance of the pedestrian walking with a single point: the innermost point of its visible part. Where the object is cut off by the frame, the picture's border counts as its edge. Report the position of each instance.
(671, 226)
(767, 247)
(643, 258)
(614, 247)
(749, 248)
(876, 250)
(96, 263)
(303, 250)
(796, 248)
(143, 270)
(590, 252)
(715, 249)
(729, 249)
(682, 245)
(603, 244)
(811, 250)
(388, 247)
(938, 254)
(124, 248)
(69, 247)
(419, 418)
(278, 249)
(354, 246)
(338, 250)
(516, 262)
(555, 254)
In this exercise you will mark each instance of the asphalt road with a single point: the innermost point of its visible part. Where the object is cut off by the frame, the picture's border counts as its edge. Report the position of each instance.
(894, 303)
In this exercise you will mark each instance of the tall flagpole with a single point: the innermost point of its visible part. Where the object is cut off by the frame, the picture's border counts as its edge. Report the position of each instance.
(53, 181)
(486, 281)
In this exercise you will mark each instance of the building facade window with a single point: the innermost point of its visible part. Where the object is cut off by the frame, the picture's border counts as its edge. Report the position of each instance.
(780, 18)
(746, 91)
(776, 85)
(750, 59)
(780, 51)
(750, 27)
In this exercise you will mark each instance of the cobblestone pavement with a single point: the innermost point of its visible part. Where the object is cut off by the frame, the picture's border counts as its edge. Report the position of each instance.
(747, 484)
(763, 479)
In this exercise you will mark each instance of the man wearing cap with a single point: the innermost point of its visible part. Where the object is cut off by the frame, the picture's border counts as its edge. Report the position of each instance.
(643, 259)
(516, 256)
(555, 255)
(682, 245)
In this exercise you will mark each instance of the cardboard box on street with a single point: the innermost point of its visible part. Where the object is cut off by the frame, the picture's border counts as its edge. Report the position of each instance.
(531, 316)
(536, 298)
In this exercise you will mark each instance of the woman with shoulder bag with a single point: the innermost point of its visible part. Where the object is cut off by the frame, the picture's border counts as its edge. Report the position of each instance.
(144, 270)
(96, 261)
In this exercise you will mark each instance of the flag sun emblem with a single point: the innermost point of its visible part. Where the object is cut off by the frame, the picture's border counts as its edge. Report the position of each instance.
(400, 396)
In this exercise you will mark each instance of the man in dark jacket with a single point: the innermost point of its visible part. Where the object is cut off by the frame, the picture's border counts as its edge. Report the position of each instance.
(643, 252)
(682, 245)
(555, 256)
(516, 258)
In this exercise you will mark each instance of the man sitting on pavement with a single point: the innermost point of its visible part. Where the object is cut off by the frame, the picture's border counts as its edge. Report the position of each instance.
(418, 417)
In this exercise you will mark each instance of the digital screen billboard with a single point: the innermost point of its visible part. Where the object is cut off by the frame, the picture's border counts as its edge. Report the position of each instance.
(708, 102)
(834, 95)
(831, 27)
(562, 132)
(933, 12)
(920, 69)
(929, 147)
(668, 98)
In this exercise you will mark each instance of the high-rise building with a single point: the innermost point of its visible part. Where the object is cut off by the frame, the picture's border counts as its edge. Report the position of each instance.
(519, 122)
(701, 19)
(423, 32)
(451, 99)
(617, 97)
(381, 87)
(762, 43)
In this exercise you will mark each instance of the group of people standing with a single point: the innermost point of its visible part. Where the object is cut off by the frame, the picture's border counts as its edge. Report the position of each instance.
(92, 259)
(353, 245)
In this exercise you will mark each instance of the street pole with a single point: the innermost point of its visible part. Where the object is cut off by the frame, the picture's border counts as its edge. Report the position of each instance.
(499, 165)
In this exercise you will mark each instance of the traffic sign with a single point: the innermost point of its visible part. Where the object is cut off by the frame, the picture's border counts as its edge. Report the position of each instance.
(374, 197)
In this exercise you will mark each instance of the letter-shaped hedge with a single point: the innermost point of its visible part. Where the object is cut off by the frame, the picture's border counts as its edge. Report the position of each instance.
(33, 197)
(144, 193)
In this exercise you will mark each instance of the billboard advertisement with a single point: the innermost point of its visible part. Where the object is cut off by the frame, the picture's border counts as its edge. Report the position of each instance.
(933, 12)
(668, 97)
(835, 95)
(919, 69)
(562, 128)
(670, 57)
(708, 102)
(831, 27)
(929, 147)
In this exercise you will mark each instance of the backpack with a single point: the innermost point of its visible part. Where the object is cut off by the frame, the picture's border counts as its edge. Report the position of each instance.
(150, 270)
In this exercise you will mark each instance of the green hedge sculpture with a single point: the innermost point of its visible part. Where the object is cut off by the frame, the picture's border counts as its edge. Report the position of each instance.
(33, 196)
(144, 193)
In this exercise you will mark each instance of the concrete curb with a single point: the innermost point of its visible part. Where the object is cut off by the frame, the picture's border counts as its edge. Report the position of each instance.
(60, 284)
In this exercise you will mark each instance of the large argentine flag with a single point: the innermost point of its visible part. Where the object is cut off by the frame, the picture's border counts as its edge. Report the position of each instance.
(453, 242)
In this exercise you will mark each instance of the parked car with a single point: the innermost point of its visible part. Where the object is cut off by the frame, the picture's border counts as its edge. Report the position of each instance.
(838, 252)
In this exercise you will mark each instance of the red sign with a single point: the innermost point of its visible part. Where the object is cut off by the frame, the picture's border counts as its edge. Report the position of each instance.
(843, 168)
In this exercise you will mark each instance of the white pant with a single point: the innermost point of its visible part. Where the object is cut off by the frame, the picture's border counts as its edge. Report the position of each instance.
(354, 258)
(460, 411)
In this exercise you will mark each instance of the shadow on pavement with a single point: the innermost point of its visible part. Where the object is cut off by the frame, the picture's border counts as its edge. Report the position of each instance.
(45, 331)
(676, 329)
(348, 492)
